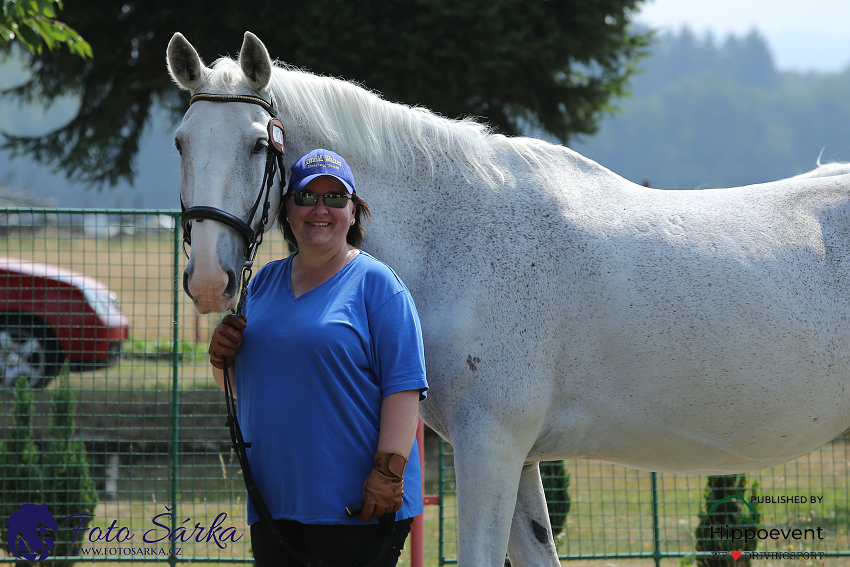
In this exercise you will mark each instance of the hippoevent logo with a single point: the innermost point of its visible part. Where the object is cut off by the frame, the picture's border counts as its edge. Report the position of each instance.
(748, 534)
(31, 535)
(739, 496)
(29, 532)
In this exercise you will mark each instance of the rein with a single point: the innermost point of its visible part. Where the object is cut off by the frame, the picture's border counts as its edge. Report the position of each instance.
(252, 240)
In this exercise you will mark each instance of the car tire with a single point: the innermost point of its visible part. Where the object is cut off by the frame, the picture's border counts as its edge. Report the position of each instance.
(27, 348)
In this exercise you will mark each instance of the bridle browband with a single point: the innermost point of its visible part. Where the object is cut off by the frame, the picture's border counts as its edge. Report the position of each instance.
(274, 160)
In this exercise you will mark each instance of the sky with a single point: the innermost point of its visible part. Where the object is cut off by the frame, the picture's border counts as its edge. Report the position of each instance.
(804, 35)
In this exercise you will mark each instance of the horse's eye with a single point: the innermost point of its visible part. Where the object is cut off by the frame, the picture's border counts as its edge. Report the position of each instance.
(178, 146)
(260, 146)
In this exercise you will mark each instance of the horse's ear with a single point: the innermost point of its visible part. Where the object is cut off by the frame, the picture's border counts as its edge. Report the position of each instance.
(184, 64)
(255, 62)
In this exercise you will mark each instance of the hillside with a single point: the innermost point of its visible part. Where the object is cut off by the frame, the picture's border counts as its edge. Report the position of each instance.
(708, 113)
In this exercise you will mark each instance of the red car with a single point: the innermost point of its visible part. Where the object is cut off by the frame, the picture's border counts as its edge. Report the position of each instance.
(49, 314)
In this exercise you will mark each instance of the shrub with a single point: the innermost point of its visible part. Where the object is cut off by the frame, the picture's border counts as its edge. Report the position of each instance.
(556, 481)
(62, 480)
(68, 486)
(728, 512)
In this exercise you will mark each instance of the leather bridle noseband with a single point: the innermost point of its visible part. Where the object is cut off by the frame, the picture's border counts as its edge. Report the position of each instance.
(274, 160)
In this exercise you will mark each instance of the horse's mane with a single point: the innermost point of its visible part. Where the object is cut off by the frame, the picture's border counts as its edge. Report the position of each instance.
(825, 170)
(385, 135)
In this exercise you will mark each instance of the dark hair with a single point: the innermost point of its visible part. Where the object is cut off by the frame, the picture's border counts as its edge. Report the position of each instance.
(355, 232)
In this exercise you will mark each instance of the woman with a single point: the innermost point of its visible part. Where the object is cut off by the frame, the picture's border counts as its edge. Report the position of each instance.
(329, 371)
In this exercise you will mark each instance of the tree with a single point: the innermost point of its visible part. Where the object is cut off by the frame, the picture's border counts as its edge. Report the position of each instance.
(33, 23)
(723, 510)
(68, 487)
(552, 65)
(556, 483)
(21, 480)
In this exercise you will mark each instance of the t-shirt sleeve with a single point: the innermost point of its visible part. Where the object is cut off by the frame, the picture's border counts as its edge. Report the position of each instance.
(398, 354)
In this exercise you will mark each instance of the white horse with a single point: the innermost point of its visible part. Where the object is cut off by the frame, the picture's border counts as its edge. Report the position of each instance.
(567, 312)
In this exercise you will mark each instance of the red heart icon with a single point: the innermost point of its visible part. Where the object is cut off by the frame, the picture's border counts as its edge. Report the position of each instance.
(735, 554)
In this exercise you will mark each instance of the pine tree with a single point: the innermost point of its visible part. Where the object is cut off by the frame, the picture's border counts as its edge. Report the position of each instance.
(556, 481)
(726, 514)
(21, 479)
(69, 488)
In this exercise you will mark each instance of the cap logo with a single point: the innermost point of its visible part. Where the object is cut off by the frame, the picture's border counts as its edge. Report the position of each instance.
(322, 160)
(318, 163)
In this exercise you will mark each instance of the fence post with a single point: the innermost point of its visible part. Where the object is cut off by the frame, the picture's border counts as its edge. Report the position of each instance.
(442, 495)
(175, 356)
(656, 553)
(417, 531)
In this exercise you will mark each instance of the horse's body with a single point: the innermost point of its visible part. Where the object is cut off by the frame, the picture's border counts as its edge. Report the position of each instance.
(566, 312)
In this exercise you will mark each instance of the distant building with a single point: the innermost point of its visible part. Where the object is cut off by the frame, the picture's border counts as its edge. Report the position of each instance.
(23, 198)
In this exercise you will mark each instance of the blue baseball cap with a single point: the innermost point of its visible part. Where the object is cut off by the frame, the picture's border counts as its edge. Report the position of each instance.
(318, 163)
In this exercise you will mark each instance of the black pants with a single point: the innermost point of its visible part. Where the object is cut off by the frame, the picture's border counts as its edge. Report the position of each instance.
(340, 545)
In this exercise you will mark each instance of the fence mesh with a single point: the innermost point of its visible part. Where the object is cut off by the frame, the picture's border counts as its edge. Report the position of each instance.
(611, 510)
(151, 419)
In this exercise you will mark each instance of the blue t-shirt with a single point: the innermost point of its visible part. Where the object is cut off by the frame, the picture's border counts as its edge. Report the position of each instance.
(311, 374)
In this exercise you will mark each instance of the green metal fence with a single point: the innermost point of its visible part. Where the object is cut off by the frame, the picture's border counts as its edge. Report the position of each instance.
(618, 513)
(152, 422)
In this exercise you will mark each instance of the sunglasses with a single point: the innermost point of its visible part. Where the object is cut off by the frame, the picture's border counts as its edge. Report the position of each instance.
(335, 200)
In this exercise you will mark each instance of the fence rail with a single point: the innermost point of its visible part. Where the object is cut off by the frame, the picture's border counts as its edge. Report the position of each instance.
(153, 421)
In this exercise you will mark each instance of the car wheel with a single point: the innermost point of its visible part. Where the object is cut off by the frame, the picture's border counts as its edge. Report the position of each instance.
(27, 349)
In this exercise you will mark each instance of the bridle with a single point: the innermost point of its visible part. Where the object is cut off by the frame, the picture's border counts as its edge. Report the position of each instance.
(274, 160)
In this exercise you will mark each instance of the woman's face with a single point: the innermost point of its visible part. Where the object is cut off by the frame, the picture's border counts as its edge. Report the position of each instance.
(319, 226)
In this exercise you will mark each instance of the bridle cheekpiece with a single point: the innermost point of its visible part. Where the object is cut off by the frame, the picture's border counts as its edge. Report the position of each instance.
(274, 160)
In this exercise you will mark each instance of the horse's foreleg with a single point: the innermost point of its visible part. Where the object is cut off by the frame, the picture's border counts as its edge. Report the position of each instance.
(487, 469)
(531, 541)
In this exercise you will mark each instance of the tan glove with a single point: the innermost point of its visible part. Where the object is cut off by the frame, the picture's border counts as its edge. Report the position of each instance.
(226, 340)
(383, 490)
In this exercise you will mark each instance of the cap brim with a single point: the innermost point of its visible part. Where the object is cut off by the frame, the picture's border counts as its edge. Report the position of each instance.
(301, 184)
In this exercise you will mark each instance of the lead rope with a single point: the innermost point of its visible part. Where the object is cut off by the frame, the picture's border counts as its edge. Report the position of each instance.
(379, 550)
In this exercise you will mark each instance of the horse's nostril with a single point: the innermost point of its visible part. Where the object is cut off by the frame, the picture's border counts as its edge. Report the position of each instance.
(231, 289)
(186, 285)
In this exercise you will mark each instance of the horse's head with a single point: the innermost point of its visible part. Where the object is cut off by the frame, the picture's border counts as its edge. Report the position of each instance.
(223, 143)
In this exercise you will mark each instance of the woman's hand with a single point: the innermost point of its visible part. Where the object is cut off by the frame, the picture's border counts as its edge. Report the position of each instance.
(226, 340)
(383, 491)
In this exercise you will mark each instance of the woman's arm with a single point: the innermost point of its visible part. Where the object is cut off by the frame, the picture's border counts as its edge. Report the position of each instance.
(218, 375)
(383, 490)
(399, 420)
